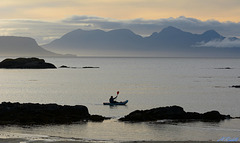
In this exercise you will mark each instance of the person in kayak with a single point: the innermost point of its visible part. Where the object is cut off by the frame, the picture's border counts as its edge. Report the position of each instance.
(112, 100)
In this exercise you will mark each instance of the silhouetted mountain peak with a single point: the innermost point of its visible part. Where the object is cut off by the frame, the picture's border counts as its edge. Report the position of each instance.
(122, 31)
(80, 32)
(212, 33)
(171, 29)
(168, 32)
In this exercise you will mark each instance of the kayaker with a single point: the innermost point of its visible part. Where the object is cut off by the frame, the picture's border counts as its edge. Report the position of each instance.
(112, 100)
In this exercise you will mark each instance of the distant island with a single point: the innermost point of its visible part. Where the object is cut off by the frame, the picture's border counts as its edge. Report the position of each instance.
(26, 63)
(13, 46)
(170, 42)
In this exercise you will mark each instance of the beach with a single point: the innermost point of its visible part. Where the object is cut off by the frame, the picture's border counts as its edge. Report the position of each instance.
(24, 141)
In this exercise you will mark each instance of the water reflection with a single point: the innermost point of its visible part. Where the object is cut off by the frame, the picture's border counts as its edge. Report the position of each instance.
(114, 130)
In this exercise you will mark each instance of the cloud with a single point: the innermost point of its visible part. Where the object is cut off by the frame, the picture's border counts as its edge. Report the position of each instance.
(226, 43)
(43, 31)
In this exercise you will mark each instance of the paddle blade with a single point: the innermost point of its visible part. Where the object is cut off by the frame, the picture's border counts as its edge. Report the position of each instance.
(117, 92)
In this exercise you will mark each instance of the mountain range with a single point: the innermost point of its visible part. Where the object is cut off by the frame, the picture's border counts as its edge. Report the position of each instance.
(170, 41)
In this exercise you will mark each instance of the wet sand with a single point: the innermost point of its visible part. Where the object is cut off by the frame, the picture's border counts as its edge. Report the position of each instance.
(25, 141)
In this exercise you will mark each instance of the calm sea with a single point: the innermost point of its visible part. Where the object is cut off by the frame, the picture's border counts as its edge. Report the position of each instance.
(196, 84)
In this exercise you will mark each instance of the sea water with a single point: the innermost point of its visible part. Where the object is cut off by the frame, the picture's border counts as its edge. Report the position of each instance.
(196, 84)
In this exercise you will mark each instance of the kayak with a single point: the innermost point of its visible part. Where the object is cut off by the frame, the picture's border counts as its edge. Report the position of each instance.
(118, 103)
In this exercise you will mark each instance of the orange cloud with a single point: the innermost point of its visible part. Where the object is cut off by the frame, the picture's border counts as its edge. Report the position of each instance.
(222, 10)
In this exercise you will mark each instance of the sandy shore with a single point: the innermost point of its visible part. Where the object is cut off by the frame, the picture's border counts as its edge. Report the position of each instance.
(25, 141)
(179, 142)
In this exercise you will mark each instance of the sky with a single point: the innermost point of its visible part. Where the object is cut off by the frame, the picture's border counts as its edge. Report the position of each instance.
(46, 20)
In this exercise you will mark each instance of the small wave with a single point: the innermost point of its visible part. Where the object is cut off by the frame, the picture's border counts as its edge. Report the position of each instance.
(210, 128)
(28, 138)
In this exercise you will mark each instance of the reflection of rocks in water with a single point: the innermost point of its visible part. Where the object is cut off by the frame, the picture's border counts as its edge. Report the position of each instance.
(172, 112)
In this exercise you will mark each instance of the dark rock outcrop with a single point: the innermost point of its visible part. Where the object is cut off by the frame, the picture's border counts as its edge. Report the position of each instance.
(235, 86)
(40, 114)
(63, 66)
(97, 118)
(88, 67)
(25, 63)
(226, 68)
(174, 113)
(67, 67)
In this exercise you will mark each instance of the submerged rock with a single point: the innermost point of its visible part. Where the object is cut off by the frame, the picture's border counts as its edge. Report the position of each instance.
(29, 113)
(25, 63)
(174, 113)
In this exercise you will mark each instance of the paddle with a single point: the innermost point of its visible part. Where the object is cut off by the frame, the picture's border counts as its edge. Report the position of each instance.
(117, 94)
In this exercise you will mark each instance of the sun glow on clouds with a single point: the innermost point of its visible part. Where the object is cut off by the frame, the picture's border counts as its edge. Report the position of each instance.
(222, 10)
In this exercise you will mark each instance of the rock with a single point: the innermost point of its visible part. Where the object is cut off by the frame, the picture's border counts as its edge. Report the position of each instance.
(40, 114)
(88, 67)
(174, 113)
(67, 67)
(214, 115)
(63, 66)
(225, 68)
(25, 63)
(97, 118)
(235, 86)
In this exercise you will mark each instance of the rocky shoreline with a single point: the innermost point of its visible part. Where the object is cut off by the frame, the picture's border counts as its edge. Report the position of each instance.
(41, 114)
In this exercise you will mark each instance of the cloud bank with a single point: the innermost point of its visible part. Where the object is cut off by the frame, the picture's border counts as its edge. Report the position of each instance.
(46, 31)
(226, 43)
